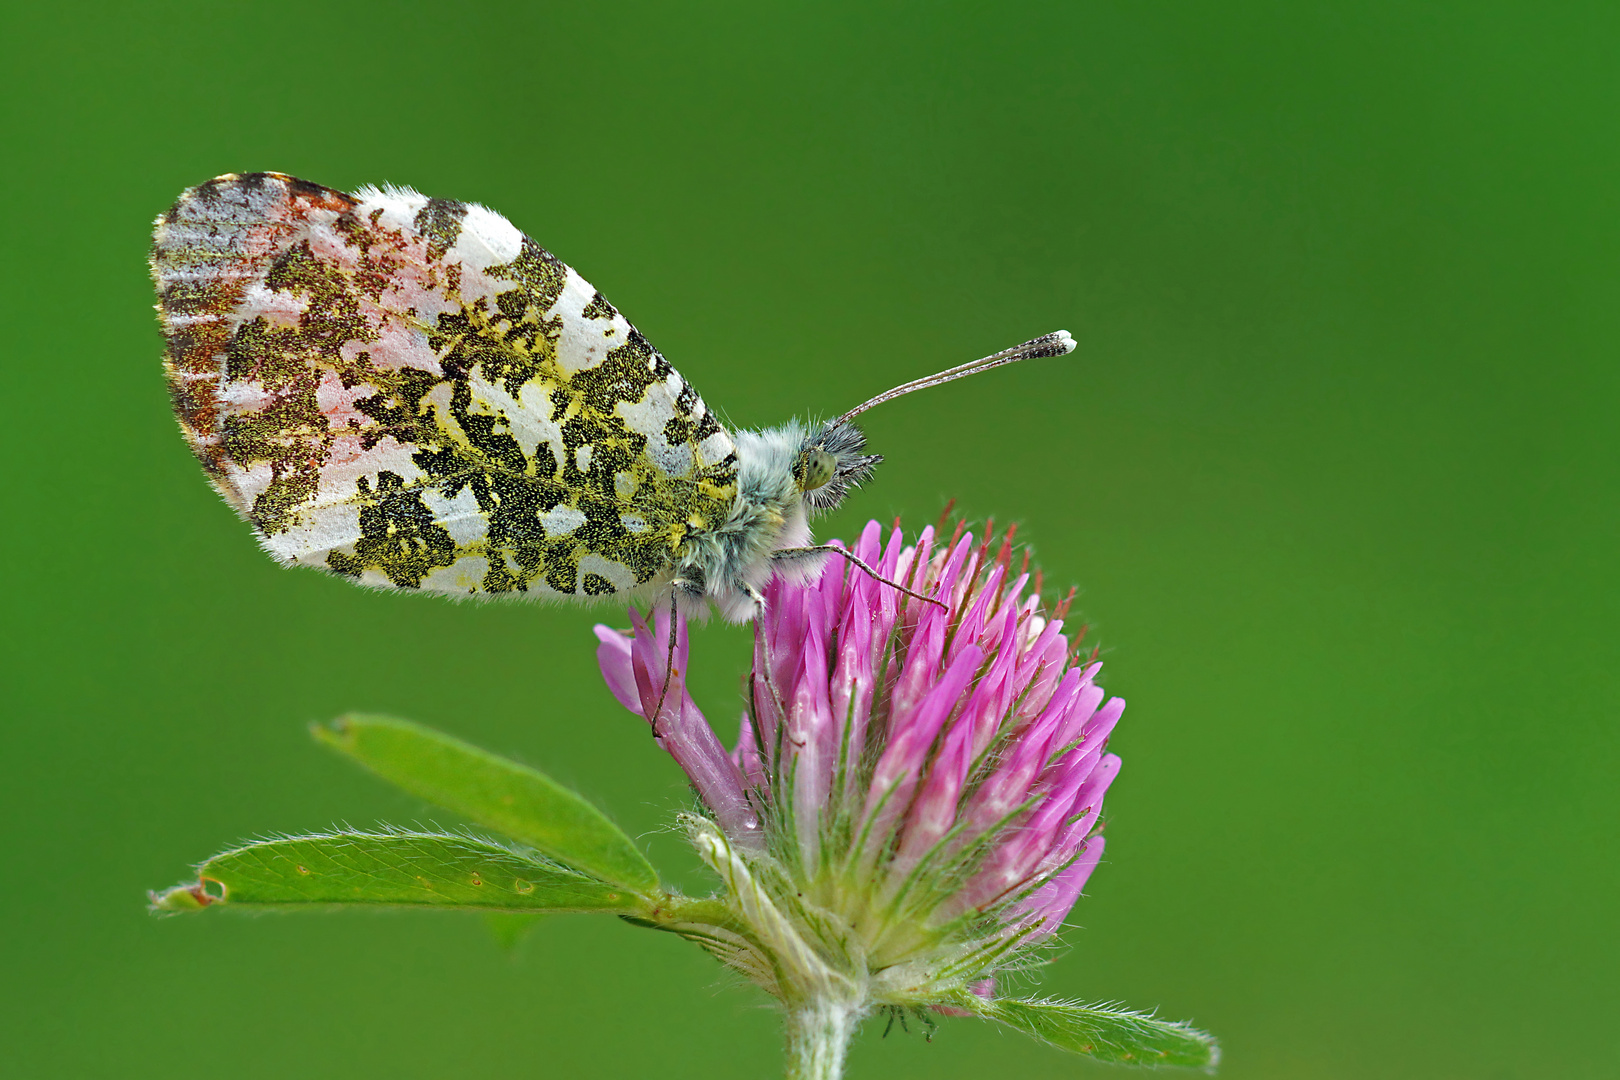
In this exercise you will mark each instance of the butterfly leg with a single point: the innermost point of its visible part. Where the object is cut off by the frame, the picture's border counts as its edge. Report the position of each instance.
(787, 554)
(679, 588)
(770, 680)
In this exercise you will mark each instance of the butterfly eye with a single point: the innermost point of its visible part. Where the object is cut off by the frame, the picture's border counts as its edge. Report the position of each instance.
(814, 468)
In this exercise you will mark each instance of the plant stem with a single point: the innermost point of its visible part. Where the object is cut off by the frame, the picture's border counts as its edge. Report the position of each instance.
(818, 1033)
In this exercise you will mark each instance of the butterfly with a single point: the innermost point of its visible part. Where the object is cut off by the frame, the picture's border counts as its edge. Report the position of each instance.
(410, 393)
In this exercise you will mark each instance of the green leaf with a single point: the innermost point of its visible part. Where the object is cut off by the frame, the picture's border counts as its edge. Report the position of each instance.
(394, 868)
(1104, 1032)
(494, 792)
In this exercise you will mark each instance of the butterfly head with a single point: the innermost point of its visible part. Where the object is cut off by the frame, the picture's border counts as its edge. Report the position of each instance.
(830, 463)
(784, 476)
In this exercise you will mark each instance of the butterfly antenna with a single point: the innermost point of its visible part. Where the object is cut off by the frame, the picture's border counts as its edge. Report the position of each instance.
(1058, 343)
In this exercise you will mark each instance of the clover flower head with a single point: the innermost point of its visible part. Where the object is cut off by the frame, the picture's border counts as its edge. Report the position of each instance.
(913, 800)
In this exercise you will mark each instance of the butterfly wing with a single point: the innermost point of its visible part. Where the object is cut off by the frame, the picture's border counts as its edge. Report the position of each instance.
(410, 392)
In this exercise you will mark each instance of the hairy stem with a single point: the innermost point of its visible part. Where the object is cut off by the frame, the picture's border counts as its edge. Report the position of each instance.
(818, 1034)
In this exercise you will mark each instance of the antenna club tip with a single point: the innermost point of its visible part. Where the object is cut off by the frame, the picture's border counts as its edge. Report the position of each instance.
(1057, 343)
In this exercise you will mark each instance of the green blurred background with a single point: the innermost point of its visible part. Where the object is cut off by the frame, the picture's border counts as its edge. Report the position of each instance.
(1335, 467)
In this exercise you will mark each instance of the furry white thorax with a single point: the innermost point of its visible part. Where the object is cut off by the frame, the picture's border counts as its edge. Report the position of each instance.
(731, 564)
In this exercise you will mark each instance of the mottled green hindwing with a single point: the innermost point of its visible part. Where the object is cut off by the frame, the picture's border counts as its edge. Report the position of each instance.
(411, 393)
